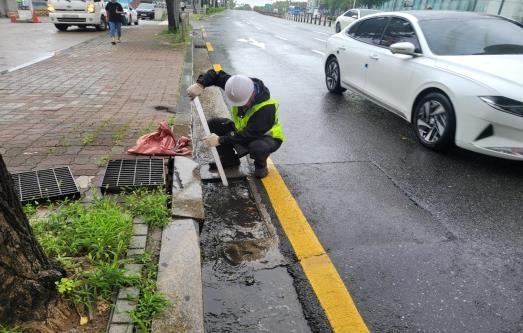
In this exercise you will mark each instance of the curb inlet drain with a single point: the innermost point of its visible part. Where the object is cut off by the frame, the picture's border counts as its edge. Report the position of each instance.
(128, 175)
(48, 184)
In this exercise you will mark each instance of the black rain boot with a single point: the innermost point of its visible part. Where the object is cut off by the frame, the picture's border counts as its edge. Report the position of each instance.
(260, 169)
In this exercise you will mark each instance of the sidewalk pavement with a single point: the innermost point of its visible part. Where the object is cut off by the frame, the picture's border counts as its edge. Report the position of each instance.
(90, 103)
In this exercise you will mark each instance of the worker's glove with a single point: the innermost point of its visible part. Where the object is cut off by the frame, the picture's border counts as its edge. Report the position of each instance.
(195, 90)
(211, 140)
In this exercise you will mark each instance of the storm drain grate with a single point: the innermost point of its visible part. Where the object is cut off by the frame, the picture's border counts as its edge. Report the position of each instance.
(49, 184)
(125, 175)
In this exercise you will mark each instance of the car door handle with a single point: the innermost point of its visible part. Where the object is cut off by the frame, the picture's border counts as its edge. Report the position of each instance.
(374, 56)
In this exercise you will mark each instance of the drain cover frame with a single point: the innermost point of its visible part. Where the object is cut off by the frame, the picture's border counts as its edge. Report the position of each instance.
(44, 185)
(129, 174)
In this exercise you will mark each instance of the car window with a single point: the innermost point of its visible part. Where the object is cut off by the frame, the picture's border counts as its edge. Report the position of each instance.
(349, 13)
(146, 6)
(484, 35)
(370, 30)
(400, 30)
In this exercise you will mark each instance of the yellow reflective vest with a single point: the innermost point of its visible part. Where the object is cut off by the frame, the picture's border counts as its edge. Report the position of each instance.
(241, 123)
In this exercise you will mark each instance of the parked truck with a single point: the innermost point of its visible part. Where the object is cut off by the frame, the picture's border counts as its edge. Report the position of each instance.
(81, 13)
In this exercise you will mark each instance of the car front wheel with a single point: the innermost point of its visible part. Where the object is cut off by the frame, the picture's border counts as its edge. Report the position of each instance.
(435, 122)
(332, 76)
(103, 24)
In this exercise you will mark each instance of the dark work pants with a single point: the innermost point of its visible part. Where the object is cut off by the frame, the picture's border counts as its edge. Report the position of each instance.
(259, 149)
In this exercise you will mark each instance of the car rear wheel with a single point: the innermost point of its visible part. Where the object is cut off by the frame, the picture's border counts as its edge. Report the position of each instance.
(435, 122)
(338, 27)
(332, 76)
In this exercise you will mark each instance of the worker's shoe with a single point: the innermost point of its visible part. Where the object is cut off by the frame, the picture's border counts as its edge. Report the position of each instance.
(225, 164)
(261, 172)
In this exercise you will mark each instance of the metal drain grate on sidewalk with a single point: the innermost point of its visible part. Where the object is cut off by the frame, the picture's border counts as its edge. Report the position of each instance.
(125, 175)
(48, 184)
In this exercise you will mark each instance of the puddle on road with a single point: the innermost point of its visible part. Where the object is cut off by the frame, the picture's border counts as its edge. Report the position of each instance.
(246, 286)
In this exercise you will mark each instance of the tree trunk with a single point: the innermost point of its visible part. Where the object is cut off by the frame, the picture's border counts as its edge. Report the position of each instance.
(172, 15)
(26, 275)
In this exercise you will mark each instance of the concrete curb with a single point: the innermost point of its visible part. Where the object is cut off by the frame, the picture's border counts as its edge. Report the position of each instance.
(179, 267)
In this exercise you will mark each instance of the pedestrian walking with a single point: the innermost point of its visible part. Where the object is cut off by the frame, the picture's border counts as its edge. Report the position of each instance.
(254, 128)
(114, 12)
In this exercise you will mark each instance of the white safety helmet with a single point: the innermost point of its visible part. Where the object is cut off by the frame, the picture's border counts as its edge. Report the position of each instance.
(238, 90)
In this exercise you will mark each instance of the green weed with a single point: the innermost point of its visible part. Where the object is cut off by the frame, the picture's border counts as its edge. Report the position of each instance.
(151, 206)
(149, 129)
(88, 138)
(120, 134)
(171, 120)
(103, 160)
(151, 303)
(29, 210)
(90, 242)
(74, 230)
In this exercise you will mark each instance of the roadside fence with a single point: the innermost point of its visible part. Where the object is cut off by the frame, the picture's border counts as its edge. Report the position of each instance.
(310, 18)
(304, 18)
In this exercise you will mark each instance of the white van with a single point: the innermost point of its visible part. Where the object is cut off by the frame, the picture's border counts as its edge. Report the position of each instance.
(81, 13)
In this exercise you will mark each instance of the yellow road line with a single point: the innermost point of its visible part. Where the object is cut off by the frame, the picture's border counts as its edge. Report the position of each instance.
(217, 67)
(319, 269)
(209, 47)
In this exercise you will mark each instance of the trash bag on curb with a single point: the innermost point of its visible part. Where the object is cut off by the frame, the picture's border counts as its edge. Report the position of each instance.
(161, 142)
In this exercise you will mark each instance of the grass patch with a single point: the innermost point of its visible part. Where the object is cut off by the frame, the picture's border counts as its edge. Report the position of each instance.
(119, 134)
(151, 303)
(171, 120)
(4, 329)
(151, 127)
(90, 242)
(215, 10)
(180, 35)
(103, 160)
(151, 206)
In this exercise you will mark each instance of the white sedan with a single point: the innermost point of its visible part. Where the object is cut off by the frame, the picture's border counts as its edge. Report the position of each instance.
(457, 77)
(131, 16)
(350, 16)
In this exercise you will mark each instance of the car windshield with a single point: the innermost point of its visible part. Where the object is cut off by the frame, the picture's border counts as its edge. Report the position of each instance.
(482, 35)
(145, 6)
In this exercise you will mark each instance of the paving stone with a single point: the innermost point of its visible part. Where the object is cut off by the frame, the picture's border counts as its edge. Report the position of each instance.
(138, 242)
(121, 328)
(121, 311)
(140, 229)
(128, 293)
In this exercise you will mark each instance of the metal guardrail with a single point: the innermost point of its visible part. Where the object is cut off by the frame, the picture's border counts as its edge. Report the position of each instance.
(305, 18)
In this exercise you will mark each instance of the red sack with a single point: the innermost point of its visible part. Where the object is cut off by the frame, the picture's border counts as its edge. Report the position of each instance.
(161, 142)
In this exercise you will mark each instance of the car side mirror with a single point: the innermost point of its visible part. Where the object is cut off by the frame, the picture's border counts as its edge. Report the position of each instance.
(354, 16)
(403, 48)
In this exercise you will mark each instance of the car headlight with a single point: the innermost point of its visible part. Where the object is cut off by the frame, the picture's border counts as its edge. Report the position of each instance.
(50, 8)
(504, 104)
(90, 7)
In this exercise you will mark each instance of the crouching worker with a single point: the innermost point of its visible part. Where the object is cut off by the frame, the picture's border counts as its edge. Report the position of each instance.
(254, 128)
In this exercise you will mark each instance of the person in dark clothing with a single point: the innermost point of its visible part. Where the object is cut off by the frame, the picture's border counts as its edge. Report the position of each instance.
(114, 13)
(254, 128)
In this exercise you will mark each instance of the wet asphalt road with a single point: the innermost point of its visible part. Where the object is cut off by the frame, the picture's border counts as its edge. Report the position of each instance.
(425, 242)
